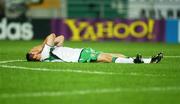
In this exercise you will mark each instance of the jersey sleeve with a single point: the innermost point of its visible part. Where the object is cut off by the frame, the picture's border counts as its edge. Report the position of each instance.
(45, 52)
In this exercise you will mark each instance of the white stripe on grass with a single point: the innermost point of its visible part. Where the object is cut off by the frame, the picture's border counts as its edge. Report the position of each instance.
(83, 71)
(172, 56)
(88, 91)
(10, 61)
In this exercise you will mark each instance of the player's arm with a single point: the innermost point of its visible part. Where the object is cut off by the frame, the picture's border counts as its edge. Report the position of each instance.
(59, 40)
(46, 46)
(36, 49)
(49, 41)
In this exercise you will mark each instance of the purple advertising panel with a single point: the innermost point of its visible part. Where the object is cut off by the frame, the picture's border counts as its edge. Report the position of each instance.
(117, 29)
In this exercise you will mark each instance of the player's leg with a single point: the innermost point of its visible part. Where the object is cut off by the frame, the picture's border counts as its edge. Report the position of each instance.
(105, 57)
(136, 60)
(117, 55)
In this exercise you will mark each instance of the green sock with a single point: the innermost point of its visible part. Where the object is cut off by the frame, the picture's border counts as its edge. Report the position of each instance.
(114, 59)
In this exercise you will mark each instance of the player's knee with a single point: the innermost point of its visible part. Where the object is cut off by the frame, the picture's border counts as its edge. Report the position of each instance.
(105, 58)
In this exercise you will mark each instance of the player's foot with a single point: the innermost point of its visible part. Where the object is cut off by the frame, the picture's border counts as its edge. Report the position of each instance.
(138, 59)
(157, 58)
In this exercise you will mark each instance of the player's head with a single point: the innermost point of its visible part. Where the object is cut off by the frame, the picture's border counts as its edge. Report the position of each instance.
(32, 57)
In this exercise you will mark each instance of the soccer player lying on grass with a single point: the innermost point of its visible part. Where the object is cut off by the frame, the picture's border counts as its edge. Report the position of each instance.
(52, 50)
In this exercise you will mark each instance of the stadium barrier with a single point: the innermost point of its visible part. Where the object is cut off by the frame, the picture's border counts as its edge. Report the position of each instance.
(148, 30)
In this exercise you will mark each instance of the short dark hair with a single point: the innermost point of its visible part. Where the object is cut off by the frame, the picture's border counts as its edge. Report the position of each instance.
(29, 57)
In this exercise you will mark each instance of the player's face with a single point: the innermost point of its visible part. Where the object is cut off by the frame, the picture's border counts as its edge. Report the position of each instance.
(37, 56)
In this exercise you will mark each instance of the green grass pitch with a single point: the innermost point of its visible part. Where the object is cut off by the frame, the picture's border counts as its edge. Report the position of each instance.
(24, 82)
